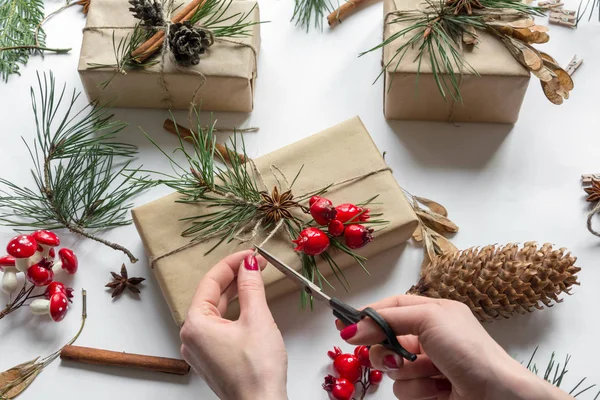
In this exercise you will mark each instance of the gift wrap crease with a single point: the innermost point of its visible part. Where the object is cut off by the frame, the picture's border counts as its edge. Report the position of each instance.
(178, 274)
(494, 96)
(223, 81)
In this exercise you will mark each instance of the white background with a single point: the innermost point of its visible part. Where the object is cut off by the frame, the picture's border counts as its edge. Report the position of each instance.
(500, 184)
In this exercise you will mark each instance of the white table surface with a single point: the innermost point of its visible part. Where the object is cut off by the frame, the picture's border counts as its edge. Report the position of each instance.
(500, 184)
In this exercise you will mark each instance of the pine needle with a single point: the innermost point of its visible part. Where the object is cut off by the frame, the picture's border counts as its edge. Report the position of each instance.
(20, 34)
(82, 177)
(309, 13)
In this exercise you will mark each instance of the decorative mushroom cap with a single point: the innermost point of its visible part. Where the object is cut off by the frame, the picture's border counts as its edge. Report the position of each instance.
(7, 261)
(38, 275)
(58, 287)
(59, 305)
(69, 260)
(46, 238)
(22, 246)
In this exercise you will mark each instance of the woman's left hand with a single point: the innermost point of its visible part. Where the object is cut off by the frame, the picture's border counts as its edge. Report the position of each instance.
(243, 359)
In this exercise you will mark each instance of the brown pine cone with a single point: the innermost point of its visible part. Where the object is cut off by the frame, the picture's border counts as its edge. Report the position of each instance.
(187, 43)
(497, 282)
(150, 12)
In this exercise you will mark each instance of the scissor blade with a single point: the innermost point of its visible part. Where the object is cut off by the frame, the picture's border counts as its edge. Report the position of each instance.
(291, 273)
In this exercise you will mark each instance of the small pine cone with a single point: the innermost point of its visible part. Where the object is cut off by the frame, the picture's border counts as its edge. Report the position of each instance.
(150, 12)
(497, 282)
(188, 43)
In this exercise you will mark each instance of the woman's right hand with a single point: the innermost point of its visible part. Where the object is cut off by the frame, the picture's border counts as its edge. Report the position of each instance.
(457, 359)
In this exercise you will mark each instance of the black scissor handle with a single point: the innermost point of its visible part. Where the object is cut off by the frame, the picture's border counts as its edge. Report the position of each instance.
(349, 315)
(392, 341)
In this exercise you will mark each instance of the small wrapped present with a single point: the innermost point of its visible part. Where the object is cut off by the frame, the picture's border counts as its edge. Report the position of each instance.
(495, 95)
(358, 167)
(223, 80)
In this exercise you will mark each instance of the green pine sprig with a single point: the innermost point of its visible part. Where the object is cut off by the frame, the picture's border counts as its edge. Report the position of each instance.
(21, 34)
(588, 7)
(309, 13)
(83, 180)
(437, 34)
(212, 17)
(229, 189)
(555, 373)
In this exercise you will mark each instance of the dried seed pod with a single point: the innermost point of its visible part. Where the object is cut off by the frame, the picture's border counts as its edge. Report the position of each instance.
(498, 282)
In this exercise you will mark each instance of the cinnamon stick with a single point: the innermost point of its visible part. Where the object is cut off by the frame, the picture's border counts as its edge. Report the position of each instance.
(184, 132)
(89, 355)
(152, 45)
(344, 11)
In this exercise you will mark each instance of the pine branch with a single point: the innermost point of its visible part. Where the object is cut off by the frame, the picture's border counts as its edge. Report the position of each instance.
(81, 183)
(20, 34)
(309, 13)
(211, 16)
(582, 10)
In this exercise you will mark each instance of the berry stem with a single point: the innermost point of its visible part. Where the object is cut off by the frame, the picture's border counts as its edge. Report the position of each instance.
(19, 301)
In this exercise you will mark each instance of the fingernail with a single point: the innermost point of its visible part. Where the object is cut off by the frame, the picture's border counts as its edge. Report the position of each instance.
(349, 331)
(390, 362)
(443, 385)
(251, 263)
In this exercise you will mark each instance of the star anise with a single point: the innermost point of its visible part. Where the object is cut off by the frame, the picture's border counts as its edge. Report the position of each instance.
(461, 5)
(593, 191)
(120, 282)
(276, 206)
(85, 4)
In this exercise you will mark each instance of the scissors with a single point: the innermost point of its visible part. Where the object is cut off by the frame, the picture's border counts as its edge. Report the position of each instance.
(345, 313)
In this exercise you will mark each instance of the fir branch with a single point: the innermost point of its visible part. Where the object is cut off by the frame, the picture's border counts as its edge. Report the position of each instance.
(582, 10)
(311, 12)
(81, 184)
(20, 34)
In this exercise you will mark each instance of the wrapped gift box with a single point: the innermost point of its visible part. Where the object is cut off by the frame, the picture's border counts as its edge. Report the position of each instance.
(223, 81)
(159, 222)
(494, 96)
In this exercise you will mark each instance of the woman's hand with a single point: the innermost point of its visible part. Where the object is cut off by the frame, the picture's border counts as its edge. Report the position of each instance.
(457, 359)
(243, 359)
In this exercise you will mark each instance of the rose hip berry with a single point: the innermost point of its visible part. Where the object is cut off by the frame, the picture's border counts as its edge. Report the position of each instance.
(312, 241)
(357, 236)
(322, 211)
(351, 213)
(348, 366)
(336, 227)
(338, 388)
(375, 376)
(362, 352)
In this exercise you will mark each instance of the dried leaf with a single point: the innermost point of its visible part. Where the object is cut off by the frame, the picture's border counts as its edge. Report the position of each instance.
(428, 244)
(444, 244)
(433, 205)
(524, 53)
(539, 28)
(541, 37)
(8, 378)
(544, 74)
(548, 57)
(566, 82)
(551, 93)
(418, 234)
(437, 222)
(523, 34)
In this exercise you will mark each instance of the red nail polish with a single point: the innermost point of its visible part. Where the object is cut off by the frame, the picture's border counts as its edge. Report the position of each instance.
(443, 385)
(390, 362)
(251, 263)
(349, 331)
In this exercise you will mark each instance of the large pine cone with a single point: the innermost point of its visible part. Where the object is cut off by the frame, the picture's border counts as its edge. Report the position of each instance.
(148, 11)
(188, 43)
(497, 282)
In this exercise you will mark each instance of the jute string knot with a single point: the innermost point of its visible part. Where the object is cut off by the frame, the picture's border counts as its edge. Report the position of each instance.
(256, 228)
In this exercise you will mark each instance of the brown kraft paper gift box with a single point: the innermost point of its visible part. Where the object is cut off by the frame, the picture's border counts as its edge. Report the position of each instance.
(178, 274)
(223, 81)
(494, 96)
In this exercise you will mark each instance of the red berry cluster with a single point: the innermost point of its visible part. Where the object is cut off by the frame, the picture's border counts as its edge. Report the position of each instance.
(35, 257)
(352, 369)
(341, 220)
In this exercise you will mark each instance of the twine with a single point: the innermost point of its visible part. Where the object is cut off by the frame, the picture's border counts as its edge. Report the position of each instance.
(255, 231)
(594, 211)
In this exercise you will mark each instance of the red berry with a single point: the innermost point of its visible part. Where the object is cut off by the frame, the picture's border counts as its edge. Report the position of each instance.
(348, 366)
(336, 352)
(39, 275)
(362, 352)
(312, 241)
(322, 211)
(357, 236)
(338, 388)
(375, 376)
(313, 200)
(336, 227)
(58, 287)
(350, 213)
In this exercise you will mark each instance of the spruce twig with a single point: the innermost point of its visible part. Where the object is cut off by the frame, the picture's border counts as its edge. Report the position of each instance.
(309, 13)
(81, 184)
